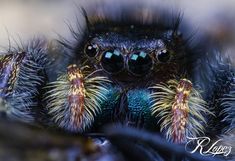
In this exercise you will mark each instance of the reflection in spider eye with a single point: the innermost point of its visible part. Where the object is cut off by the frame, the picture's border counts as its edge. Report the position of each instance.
(91, 50)
(140, 63)
(112, 61)
(163, 55)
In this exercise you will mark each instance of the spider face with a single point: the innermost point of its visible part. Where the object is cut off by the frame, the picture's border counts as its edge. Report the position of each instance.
(128, 54)
(131, 55)
(134, 57)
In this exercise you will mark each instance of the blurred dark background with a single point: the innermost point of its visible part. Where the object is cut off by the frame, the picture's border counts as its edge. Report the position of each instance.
(27, 18)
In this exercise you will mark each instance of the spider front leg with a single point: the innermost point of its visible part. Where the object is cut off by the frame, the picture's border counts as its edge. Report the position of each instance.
(75, 98)
(218, 76)
(215, 74)
(21, 77)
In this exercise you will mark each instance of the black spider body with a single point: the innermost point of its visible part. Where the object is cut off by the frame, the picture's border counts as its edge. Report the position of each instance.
(135, 56)
(145, 52)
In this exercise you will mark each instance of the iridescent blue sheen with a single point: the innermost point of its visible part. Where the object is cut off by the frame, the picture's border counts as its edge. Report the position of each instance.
(138, 103)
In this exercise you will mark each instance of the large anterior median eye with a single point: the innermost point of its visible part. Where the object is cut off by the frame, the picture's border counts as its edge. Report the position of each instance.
(140, 63)
(112, 61)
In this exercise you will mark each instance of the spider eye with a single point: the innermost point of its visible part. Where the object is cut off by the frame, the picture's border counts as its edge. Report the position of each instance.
(163, 55)
(91, 50)
(112, 61)
(140, 63)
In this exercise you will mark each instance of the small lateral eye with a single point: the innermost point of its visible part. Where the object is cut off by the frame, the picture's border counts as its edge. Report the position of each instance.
(91, 50)
(163, 55)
